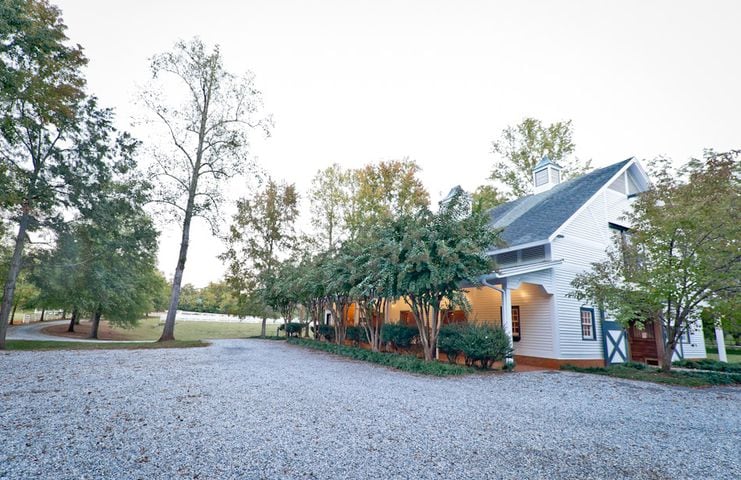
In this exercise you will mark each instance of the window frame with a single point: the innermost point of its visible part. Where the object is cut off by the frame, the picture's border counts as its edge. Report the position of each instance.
(515, 308)
(593, 327)
(518, 336)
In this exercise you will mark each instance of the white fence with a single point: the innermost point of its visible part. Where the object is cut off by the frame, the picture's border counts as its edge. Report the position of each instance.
(183, 316)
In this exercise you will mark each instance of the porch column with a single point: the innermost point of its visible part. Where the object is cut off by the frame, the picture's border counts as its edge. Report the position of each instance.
(721, 341)
(507, 315)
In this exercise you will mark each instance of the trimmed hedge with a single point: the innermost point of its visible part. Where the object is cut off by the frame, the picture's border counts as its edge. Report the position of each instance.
(356, 334)
(683, 378)
(398, 336)
(407, 363)
(708, 364)
(293, 329)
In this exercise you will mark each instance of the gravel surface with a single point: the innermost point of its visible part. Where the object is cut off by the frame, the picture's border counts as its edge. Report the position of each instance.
(262, 409)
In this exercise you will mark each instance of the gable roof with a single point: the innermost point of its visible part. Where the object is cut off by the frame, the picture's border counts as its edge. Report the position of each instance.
(535, 218)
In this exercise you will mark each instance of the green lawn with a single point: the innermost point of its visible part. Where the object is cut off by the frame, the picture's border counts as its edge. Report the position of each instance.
(151, 329)
(732, 358)
(54, 345)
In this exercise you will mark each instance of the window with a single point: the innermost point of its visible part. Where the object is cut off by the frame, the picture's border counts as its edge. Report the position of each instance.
(587, 324)
(516, 329)
(516, 324)
(406, 317)
(454, 316)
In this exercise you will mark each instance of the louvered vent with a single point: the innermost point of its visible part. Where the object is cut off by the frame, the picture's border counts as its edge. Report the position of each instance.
(533, 254)
(509, 258)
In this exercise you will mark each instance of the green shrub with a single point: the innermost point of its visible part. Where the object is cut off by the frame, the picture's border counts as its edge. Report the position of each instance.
(398, 336)
(708, 364)
(407, 363)
(484, 344)
(292, 329)
(356, 335)
(326, 332)
(449, 341)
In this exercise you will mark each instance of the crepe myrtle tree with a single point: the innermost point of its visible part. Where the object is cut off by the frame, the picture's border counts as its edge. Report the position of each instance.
(311, 287)
(682, 255)
(338, 272)
(435, 254)
(282, 292)
(374, 277)
(205, 114)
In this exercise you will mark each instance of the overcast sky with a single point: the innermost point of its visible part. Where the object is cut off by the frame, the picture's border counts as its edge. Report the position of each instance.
(355, 82)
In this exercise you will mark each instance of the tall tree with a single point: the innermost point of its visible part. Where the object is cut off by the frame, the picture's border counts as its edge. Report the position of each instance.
(682, 254)
(206, 113)
(522, 146)
(384, 191)
(54, 140)
(262, 230)
(330, 196)
(118, 254)
(486, 197)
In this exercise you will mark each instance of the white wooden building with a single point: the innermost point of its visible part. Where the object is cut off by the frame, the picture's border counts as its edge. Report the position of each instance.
(551, 236)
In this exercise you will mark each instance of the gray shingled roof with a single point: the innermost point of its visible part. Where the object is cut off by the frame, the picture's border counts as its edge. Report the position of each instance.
(535, 217)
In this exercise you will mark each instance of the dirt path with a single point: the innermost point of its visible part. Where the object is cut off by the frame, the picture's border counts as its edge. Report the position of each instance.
(57, 331)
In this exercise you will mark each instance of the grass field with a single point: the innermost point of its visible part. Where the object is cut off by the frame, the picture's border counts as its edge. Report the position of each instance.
(54, 345)
(151, 329)
(732, 357)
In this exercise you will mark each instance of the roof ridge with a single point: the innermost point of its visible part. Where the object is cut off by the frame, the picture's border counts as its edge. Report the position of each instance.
(534, 217)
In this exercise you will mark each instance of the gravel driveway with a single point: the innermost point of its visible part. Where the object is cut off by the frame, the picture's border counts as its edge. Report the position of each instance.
(262, 409)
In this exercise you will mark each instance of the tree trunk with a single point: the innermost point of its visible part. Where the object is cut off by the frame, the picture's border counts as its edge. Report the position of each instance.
(168, 333)
(666, 361)
(72, 321)
(15, 268)
(661, 347)
(95, 325)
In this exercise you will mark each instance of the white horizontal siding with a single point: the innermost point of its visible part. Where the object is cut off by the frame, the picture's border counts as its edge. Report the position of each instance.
(571, 345)
(536, 321)
(696, 347)
(585, 241)
(485, 304)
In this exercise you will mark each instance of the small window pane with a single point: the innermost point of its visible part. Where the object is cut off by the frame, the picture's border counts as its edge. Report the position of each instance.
(587, 324)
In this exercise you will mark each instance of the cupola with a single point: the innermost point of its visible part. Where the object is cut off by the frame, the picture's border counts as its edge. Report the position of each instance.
(546, 175)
